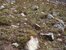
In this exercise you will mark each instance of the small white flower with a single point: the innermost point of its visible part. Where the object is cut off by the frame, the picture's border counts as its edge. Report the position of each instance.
(2, 7)
(50, 16)
(42, 12)
(48, 34)
(14, 26)
(25, 23)
(59, 39)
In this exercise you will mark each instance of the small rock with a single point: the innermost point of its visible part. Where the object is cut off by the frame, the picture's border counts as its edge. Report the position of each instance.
(15, 44)
(35, 7)
(25, 23)
(49, 36)
(2, 7)
(23, 14)
(11, 16)
(50, 16)
(25, 7)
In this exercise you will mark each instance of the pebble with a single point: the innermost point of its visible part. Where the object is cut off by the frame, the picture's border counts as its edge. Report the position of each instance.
(37, 27)
(25, 23)
(42, 12)
(2, 7)
(50, 16)
(51, 35)
(15, 44)
(55, 13)
(23, 14)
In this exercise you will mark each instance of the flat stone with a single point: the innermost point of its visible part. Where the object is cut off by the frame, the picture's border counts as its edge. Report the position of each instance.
(49, 36)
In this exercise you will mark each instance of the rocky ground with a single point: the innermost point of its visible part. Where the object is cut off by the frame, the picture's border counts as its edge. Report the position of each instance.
(21, 19)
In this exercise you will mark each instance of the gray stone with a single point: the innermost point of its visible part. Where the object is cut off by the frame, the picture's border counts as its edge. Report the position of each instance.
(50, 16)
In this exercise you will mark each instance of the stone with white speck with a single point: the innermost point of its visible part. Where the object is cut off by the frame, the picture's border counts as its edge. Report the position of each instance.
(59, 39)
(14, 26)
(49, 35)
